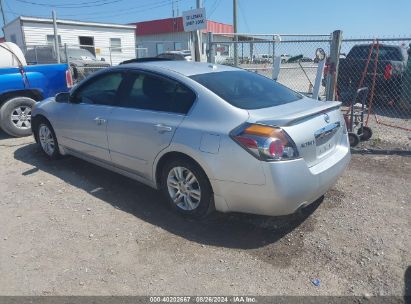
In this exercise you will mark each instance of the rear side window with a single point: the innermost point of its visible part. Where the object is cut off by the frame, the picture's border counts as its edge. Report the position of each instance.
(384, 53)
(101, 90)
(150, 92)
(247, 90)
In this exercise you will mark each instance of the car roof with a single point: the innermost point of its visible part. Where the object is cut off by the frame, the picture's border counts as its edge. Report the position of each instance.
(187, 68)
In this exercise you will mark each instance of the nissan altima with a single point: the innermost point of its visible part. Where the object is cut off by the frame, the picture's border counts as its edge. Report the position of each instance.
(210, 137)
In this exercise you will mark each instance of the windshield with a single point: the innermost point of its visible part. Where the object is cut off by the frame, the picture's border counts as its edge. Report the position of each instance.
(247, 90)
(384, 53)
(80, 54)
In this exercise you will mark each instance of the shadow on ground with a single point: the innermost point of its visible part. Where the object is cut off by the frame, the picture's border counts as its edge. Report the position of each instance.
(4, 135)
(225, 230)
(407, 286)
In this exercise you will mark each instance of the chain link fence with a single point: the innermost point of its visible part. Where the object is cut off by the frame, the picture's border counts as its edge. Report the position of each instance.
(383, 66)
(380, 64)
(296, 55)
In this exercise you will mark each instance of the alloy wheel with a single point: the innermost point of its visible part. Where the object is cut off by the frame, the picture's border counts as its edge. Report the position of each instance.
(46, 139)
(184, 188)
(21, 117)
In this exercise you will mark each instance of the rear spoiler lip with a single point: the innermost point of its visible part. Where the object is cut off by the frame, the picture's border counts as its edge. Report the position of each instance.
(297, 117)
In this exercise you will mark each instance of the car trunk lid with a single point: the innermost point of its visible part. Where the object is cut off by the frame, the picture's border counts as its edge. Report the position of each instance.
(314, 126)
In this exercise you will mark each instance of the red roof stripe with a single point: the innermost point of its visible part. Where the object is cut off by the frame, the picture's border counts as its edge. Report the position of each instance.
(175, 25)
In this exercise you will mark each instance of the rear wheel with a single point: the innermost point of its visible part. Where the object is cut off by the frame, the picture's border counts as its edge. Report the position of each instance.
(187, 188)
(15, 116)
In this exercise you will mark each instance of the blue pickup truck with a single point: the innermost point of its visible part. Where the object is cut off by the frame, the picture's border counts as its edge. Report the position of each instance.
(21, 87)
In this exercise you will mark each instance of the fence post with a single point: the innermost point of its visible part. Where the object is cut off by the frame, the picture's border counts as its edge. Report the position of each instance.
(65, 53)
(56, 37)
(333, 64)
(210, 48)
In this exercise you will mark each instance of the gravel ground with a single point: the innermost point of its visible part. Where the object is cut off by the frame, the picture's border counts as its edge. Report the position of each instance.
(71, 228)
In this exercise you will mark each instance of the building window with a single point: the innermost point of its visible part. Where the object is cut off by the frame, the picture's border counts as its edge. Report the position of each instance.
(160, 48)
(50, 39)
(13, 38)
(115, 45)
(178, 46)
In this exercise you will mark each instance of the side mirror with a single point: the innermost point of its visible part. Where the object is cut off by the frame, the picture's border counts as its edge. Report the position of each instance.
(320, 54)
(103, 59)
(63, 97)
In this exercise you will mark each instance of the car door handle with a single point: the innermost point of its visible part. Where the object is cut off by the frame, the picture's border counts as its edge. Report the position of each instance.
(163, 128)
(99, 120)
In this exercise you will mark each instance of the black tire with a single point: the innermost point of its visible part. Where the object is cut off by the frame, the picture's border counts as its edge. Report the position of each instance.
(56, 152)
(365, 133)
(205, 203)
(17, 127)
(354, 139)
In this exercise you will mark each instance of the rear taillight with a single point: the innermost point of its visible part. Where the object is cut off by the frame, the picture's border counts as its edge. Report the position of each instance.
(265, 142)
(388, 71)
(69, 79)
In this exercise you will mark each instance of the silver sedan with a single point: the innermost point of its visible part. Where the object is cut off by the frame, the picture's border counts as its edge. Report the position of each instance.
(210, 137)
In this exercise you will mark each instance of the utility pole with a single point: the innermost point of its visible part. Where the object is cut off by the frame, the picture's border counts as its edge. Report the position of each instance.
(2, 12)
(235, 32)
(197, 38)
(56, 37)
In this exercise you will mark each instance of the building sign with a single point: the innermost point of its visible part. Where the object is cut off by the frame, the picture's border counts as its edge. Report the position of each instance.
(194, 20)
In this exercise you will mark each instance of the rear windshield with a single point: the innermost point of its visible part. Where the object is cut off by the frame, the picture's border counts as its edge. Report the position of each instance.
(247, 90)
(384, 53)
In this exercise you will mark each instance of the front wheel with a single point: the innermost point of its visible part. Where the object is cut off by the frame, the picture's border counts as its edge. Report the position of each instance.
(187, 188)
(15, 116)
(47, 140)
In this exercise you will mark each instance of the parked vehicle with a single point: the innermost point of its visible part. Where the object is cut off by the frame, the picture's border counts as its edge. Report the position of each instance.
(11, 55)
(22, 86)
(284, 58)
(388, 79)
(209, 136)
(306, 59)
(262, 58)
(176, 55)
(82, 62)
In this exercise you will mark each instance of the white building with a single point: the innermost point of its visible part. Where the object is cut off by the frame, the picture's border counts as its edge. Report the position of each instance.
(113, 42)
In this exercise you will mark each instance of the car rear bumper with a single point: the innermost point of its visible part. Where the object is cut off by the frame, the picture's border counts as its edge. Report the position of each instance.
(289, 186)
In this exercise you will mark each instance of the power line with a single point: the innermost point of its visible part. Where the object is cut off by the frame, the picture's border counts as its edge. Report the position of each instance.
(125, 11)
(9, 9)
(217, 3)
(145, 7)
(243, 15)
(72, 6)
(131, 11)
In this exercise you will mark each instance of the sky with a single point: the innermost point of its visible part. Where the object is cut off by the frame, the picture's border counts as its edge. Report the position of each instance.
(356, 18)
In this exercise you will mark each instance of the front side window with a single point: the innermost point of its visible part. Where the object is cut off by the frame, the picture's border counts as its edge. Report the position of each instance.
(102, 90)
(247, 90)
(115, 45)
(150, 92)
